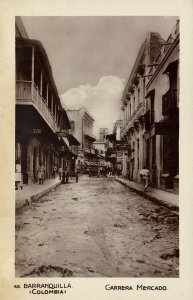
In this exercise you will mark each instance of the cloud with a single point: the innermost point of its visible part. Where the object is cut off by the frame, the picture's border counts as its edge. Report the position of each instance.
(102, 100)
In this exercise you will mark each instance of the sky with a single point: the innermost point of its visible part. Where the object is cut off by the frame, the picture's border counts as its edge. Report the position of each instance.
(92, 57)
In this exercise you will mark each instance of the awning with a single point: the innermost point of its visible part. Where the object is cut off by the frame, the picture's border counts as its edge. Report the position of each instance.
(65, 142)
(90, 137)
(72, 153)
(73, 140)
(171, 66)
(111, 137)
(167, 126)
(64, 118)
(150, 93)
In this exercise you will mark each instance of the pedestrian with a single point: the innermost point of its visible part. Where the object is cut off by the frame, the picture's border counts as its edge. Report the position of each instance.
(65, 176)
(154, 175)
(128, 174)
(54, 169)
(41, 171)
(144, 175)
(60, 171)
(110, 171)
(18, 175)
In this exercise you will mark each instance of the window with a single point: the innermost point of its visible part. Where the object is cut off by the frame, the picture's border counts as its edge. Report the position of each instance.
(166, 147)
(72, 125)
(144, 88)
(152, 109)
(147, 153)
(137, 154)
(133, 103)
(138, 96)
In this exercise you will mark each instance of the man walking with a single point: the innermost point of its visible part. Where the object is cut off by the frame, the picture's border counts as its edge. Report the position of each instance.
(144, 174)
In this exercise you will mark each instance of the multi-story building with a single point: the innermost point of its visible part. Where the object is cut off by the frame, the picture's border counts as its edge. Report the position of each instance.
(102, 134)
(39, 113)
(82, 127)
(118, 144)
(150, 105)
(162, 115)
(100, 145)
(133, 107)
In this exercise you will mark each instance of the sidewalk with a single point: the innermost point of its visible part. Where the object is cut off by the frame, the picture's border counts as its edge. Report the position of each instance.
(32, 192)
(166, 199)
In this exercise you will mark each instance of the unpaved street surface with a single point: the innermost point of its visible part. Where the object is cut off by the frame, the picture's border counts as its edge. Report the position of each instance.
(96, 228)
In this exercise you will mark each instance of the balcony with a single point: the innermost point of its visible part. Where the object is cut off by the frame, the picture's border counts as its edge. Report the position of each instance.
(90, 137)
(27, 93)
(139, 111)
(169, 102)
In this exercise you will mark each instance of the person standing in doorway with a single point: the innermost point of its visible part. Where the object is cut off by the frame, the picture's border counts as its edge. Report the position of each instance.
(41, 171)
(154, 175)
(54, 169)
(60, 171)
(18, 175)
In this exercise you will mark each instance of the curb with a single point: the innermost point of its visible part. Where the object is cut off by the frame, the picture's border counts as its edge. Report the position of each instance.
(35, 197)
(173, 208)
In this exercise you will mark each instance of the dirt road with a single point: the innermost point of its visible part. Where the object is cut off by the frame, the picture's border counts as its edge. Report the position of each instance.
(96, 228)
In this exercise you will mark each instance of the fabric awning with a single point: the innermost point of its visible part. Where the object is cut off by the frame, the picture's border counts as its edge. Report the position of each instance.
(66, 142)
(150, 93)
(171, 66)
(166, 126)
(73, 140)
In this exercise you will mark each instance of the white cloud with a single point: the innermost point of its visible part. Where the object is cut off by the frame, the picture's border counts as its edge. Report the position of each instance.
(102, 100)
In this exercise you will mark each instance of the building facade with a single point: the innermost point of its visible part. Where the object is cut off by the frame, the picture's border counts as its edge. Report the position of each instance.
(102, 134)
(39, 113)
(150, 109)
(82, 127)
(100, 145)
(133, 107)
(118, 145)
(162, 115)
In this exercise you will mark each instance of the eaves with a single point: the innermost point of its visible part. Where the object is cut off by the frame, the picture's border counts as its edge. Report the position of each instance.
(168, 53)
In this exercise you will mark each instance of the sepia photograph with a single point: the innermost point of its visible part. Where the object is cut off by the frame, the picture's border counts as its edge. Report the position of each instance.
(97, 146)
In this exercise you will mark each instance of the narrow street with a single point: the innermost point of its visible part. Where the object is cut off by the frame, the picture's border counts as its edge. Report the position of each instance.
(96, 228)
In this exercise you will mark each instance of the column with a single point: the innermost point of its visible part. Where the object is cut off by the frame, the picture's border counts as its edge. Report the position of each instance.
(47, 95)
(32, 74)
(41, 82)
(52, 105)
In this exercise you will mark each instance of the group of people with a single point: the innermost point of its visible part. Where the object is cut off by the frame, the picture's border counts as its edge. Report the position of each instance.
(40, 174)
(64, 174)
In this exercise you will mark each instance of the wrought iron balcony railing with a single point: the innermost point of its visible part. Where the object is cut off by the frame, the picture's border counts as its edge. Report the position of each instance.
(28, 93)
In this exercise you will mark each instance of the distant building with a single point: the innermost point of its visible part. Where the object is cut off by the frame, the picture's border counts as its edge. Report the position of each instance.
(99, 144)
(118, 144)
(102, 134)
(82, 128)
